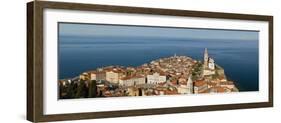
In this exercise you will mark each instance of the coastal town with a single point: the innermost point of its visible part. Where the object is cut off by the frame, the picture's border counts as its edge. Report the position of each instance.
(173, 75)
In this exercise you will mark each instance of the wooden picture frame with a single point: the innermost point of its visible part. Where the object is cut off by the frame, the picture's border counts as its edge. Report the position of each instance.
(35, 60)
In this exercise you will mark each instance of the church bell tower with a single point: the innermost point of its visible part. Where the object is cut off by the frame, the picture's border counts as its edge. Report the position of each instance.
(206, 58)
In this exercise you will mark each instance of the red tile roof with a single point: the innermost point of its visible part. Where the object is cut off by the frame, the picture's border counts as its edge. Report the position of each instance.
(199, 83)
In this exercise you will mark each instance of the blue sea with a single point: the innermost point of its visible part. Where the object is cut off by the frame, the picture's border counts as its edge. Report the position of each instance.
(239, 58)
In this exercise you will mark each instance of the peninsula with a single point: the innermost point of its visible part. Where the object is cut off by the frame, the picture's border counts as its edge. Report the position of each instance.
(165, 76)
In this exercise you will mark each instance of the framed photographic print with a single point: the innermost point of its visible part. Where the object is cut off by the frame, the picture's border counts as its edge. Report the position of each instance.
(97, 61)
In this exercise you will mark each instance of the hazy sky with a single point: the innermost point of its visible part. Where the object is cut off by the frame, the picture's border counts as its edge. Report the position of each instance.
(123, 31)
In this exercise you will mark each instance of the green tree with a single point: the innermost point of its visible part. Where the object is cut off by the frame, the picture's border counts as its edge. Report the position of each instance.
(71, 91)
(92, 89)
(81, 89)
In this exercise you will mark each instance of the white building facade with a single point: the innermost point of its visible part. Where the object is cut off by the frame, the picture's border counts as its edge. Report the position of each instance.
(188, 88)
(112, 76)
(93, 75)
(156, 78)
(132, 81)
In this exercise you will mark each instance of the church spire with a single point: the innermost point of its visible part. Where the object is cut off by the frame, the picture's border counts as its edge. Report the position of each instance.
(189, 85)
(189, 81)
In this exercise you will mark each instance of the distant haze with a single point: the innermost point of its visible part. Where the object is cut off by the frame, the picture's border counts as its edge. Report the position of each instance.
(100, 30)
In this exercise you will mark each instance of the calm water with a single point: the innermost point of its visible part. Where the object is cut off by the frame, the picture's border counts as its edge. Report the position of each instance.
(239, 58)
